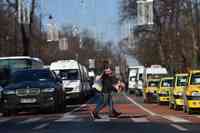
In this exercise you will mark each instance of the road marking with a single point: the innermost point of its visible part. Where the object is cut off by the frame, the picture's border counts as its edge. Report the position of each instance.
(68, 118)
(198, 116)
(180, 128)
(140, 120)
(30, 120)
(41, 126)
(140, 106)
(176, 119)
(2, 120)
(104, 118)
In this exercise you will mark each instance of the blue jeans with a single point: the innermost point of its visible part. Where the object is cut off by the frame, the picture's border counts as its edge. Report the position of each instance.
(104, 100)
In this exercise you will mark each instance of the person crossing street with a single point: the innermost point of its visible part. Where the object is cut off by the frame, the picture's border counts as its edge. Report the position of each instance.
(108, 86)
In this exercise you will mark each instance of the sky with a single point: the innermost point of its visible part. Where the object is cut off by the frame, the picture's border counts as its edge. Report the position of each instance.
(97, 15)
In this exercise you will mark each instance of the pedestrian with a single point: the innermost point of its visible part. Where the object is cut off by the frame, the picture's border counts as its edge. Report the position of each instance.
(108, 86)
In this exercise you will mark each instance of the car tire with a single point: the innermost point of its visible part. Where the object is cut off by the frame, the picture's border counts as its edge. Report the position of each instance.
(9, 113)
(59, 108)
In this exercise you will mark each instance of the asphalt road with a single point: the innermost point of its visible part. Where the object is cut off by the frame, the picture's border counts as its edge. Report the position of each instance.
(137, 117)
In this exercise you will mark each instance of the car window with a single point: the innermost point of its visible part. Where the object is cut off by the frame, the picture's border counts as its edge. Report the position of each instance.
(181, 81)
(195, 79)
(153, 83)
(69, 74)
(167, 83)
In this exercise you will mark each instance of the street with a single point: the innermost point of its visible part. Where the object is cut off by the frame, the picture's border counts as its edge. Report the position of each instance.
(136, 118)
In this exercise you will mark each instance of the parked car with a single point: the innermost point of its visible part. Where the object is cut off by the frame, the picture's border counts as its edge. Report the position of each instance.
(192, 92)
(150, 91)
(152, 72)
(176, 94)
(33, 89)
(166, 84)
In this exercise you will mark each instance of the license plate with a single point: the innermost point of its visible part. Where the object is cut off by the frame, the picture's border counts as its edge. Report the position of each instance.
(28, 100)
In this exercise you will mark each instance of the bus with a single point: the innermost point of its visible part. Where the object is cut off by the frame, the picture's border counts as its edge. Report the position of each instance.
(9, 65)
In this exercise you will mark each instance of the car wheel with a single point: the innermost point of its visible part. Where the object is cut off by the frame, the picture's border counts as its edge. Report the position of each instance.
(59, 108)
(6, 113)
(9, 113)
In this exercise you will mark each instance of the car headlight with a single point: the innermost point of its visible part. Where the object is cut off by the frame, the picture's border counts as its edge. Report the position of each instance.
(77, 88)
(9, 92)
(163, 93)
(195, 94)
(48, 90)
(178, 93)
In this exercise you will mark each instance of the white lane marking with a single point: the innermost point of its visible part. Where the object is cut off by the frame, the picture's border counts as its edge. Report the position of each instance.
(180, 128)
(68, 118)
(198, 116)
(104, 118)
(176, 119)
(41, 126)
(170, 118)
(140, 120)
(140, 106)
(30, 120)
(2, 120)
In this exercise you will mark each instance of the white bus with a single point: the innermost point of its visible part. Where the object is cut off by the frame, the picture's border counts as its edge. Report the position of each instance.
(155, 71)
(74, 77)
(8, 65)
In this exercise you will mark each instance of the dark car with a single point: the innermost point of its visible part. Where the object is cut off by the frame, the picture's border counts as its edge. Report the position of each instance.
(33, 89)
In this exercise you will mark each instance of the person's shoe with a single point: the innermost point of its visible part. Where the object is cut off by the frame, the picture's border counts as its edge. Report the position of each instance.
(115, 114)
(95, 115)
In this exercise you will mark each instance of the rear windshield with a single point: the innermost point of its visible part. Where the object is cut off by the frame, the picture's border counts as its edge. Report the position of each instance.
(167, 83)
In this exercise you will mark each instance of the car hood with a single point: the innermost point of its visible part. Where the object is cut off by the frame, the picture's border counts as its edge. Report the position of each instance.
(37, 84)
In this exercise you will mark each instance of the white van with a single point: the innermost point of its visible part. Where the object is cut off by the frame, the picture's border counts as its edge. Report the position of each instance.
(74, 77)
(135, 83)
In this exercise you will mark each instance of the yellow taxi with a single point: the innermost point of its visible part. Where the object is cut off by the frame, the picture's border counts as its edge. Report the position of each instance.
(150, 90)
(192, 92)
(176, 94)
(166, 84)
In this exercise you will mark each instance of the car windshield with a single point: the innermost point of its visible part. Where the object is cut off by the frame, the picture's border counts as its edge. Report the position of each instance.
(69, 74)
(195, 79)
(153, 83)
(181, 81)
(167, 83)
(132, 78)
(40, 75)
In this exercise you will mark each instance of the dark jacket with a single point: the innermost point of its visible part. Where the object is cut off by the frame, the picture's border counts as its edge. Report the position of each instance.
(108, 82)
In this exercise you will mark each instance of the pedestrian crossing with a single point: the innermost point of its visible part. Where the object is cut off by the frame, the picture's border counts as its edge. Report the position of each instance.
(82, 118)
(43, 122)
